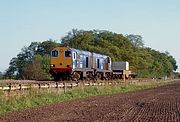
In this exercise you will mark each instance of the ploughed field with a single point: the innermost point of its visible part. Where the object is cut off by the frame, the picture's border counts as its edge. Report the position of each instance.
(159, 104)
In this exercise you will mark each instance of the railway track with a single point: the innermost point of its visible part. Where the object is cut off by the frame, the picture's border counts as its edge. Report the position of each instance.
(12, 85)
(19, 85)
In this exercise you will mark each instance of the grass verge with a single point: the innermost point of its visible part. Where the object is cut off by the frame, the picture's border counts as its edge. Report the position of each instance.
(33, 99)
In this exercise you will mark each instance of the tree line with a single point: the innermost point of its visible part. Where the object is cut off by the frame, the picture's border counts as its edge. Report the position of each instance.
(33, 62)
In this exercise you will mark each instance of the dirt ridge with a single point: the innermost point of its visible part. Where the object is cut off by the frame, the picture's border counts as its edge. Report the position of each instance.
(159, 104)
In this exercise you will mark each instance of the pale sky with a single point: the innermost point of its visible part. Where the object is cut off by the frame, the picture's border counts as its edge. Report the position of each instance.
(26, 21)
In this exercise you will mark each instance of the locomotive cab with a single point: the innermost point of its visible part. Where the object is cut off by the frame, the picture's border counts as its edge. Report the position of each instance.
(61, 62)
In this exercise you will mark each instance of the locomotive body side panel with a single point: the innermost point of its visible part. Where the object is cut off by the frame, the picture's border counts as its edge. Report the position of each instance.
(81, 59)
(101, 62)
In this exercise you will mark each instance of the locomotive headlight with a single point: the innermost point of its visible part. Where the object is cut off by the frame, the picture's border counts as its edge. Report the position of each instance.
(52, 65)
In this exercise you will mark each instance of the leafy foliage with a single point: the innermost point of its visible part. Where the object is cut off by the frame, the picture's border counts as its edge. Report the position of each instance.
(136, 40)
(1, 75)
(37, 69)
(33, 61)
(146, 62)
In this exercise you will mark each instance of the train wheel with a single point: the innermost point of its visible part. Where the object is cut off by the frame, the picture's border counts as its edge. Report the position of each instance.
(99, 76)
(107, 76)
(89, 76)
(76, 76)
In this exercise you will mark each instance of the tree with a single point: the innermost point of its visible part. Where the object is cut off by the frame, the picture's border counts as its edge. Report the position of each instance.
(45, 47)
(172, 60)
(144, 61)
(36, 70)
(136, 40)
(1, 75)
(25, 59)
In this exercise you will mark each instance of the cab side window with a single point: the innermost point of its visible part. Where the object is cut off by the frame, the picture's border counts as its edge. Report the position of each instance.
(98, 63)
(108, 60)
(67, 53)
(54, 53)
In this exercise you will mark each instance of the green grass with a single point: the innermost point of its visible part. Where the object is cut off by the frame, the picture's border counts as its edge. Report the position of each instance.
(35, 99)
(3, 85)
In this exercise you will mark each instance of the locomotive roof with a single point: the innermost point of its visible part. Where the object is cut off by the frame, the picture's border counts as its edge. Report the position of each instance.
(88, 52)
(82, 51)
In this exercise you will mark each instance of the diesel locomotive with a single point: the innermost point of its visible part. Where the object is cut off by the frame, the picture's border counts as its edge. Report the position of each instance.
(74, 64)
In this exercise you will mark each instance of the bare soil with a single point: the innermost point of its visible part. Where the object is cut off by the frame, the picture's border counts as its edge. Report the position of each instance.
(153, 105)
